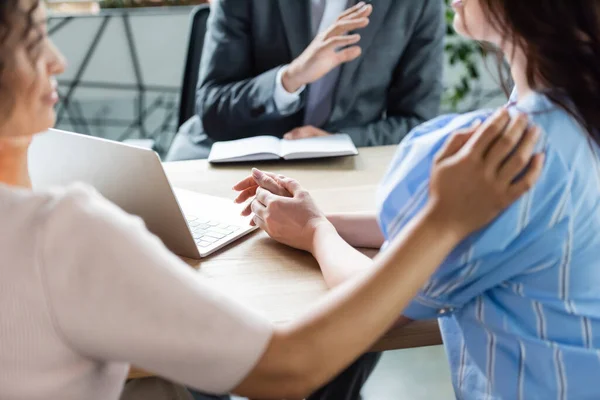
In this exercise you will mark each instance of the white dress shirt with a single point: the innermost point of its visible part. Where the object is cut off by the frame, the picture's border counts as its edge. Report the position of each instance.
(288, 103)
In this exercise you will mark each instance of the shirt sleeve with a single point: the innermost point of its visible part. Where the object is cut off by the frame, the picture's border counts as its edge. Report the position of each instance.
(117, 294)
(287, 103)
(512, 244)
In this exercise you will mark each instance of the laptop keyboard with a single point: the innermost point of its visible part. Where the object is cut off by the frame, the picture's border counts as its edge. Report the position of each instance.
(206, 232)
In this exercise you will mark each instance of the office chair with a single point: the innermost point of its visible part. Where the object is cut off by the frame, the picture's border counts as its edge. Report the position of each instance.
(187, 104)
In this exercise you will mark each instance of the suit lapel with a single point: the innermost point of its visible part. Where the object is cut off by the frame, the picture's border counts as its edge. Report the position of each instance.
(348, 72)
(295, 15)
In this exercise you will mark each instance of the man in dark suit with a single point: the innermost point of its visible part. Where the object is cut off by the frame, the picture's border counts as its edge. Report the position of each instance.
(303, 68)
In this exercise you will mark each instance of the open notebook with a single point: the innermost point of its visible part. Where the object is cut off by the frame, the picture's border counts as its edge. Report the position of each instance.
(261, 148)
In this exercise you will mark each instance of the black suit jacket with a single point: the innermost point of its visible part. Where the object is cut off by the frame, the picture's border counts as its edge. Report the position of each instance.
(394, 85)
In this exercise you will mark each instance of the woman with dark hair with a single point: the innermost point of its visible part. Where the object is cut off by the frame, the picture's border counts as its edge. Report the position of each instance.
(519, 302)
(85, 289)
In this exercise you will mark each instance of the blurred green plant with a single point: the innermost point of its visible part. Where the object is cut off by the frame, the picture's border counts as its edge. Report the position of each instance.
(463, 54)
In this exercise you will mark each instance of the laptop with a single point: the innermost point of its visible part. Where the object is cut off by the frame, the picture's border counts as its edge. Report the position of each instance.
(190, 224)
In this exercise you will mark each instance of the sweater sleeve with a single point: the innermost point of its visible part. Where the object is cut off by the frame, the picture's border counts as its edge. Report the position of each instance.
(117, 294)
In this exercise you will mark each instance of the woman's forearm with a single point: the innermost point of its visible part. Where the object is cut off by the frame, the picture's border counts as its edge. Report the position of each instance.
(358, 229)
(338, 260)
(332, 334)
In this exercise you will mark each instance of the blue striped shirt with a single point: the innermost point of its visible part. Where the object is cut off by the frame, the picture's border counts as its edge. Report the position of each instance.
(519, 301)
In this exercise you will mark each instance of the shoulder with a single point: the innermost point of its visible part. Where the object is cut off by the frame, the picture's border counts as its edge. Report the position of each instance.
(62, 202)
(81, 201)
(562, 134)
(79, 215)
(62, 217)
(430, 136)
(426, 139)
(426, 9)
(408, 16)
(432, 10)
(405, 184)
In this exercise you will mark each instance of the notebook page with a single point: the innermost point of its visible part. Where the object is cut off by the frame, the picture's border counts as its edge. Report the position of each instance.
(323, 146)
(250, 149)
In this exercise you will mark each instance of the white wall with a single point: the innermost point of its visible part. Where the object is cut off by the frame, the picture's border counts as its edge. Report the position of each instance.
(160, 37)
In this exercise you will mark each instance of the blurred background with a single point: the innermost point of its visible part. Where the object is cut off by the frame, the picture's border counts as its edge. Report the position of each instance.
(127, 60)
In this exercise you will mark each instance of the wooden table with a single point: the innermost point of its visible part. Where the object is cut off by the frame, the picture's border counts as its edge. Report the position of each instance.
(278, 281)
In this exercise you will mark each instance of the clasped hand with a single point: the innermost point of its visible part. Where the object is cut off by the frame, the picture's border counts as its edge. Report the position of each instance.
(474, 178)
(282, 208)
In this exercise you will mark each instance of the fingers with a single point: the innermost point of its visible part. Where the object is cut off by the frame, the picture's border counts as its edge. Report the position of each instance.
(292, 186)
(341, 41)
(452, 146)
(491, 129)
(245, 195)
(456, 142)
(264, 197)
(247, 210)
(250, 182)
(505, 144)
(267, 185)
(266, 181)
(304, 132)
(272, 183)
(344, 26)
(298, 133)
(516, 162)
(361, 8)
(245, 184)
(259, 210)
(528, 180)
(257, 221)
(249, 185)
(349, 54)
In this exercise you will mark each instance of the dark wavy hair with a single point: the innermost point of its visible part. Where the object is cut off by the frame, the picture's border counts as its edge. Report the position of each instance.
(561, 40)
(12, 16)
